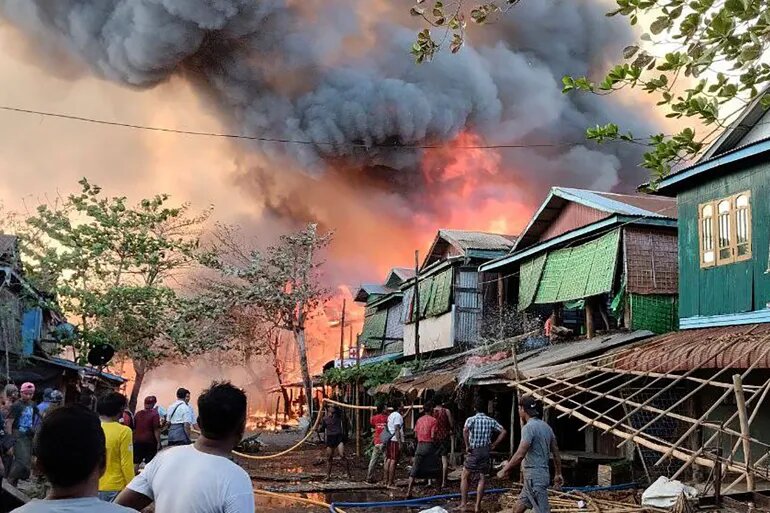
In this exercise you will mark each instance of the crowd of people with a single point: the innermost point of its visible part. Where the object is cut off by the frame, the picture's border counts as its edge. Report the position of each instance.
(111, 460)
(91, 460)
(433, 430)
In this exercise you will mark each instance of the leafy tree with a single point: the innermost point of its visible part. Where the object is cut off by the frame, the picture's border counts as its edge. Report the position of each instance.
(278, 289)
(110, 265)
(702, 60)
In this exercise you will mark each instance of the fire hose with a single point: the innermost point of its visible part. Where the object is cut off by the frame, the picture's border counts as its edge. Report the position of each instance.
(309, 432)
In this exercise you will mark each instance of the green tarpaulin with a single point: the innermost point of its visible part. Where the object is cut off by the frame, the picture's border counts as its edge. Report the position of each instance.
(374, 329)
(655, 312)
(578, 272)
(531, 270)
(441, 294)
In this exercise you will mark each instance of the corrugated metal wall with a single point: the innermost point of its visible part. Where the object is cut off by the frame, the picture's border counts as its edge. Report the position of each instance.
(572, 216)
(651, 261)
(467, 302)
(732, 288)
(394, 328)
(10, 320)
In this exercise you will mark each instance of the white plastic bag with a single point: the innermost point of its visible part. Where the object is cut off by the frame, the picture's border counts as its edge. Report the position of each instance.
(663, 493)
(434, 509)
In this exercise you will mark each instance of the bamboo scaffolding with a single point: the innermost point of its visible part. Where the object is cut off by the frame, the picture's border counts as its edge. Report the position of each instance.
(675, 452)
(627, 383)
(765, 389)
(647, 440)
(711, 410)
(692, 392)
(719, 384)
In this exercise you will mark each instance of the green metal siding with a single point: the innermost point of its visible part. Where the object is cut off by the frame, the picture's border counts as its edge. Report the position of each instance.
(732, 288)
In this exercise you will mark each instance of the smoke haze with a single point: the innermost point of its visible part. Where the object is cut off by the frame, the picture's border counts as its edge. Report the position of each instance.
(336, 73)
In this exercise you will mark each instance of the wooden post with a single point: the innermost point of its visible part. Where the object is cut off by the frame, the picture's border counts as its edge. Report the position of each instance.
(358, 421)
(500, 305)
(417, 304)
(589, 318)
(342, 336)
(514, 414)
(740, 401)
(277, 404)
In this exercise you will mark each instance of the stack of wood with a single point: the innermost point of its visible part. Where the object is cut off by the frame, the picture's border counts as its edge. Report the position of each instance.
(575, 502)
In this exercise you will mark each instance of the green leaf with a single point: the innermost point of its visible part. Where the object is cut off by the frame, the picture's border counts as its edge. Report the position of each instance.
(660, 24)
(630, 51)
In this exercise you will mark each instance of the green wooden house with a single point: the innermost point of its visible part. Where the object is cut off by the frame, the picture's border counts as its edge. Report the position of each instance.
(724, 228)
(591, 257)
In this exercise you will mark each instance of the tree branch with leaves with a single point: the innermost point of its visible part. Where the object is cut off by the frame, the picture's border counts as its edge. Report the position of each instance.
(701, 60)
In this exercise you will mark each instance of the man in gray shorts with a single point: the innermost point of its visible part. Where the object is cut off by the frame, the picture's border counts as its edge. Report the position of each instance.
(537, 444)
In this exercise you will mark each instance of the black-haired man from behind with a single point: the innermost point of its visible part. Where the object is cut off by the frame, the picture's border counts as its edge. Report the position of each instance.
(200, 478)
(71, 454)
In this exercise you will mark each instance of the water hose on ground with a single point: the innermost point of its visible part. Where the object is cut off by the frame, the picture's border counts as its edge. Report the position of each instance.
(333, 507)
(292, 498)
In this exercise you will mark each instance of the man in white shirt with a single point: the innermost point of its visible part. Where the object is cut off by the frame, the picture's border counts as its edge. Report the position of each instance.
(395, 428)
(181, 419)
(200, 478)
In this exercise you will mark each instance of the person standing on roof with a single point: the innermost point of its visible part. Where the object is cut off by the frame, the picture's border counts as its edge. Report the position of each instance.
(477, 434)
(181, 419)
(23, 418)
(538, 442)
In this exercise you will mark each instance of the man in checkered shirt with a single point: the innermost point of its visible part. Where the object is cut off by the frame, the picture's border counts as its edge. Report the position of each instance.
(478, 433)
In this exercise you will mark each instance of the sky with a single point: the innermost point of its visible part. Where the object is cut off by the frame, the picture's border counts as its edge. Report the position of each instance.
(505, 87)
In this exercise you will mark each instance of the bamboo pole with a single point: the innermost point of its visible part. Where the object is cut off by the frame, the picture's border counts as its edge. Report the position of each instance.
(677, 453)
(589, 318)
(652, 374)
(711, 409)
(623, 385)
(692, 392)
(717, 434)
(740, 401)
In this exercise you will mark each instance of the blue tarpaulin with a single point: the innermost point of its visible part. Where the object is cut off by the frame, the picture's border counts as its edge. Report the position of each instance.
(32, 323)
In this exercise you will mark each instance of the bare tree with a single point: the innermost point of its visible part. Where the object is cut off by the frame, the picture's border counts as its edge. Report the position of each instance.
(278, 288)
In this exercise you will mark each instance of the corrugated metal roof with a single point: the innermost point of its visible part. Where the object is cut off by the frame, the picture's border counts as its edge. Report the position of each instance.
(642, 205)
(8, 250)
(711, 348)
(478, 240)
(369, 289)
(530, 364)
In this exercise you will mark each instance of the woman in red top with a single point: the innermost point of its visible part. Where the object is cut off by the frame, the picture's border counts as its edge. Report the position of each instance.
(426, 456)
(444, 427)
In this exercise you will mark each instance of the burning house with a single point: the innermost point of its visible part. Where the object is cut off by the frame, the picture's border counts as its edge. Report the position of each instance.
(448, 291)
(593, 259)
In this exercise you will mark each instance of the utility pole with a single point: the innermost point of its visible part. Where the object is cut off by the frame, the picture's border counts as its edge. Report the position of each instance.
(417, 304)
(342, 336)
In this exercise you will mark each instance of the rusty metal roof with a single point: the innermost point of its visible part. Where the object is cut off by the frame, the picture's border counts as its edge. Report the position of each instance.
(711, 348)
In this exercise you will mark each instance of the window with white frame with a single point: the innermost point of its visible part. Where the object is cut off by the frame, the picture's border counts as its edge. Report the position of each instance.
(724, 230)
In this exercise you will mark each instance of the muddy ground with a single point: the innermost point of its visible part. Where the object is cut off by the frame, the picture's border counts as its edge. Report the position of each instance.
(305, 468)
